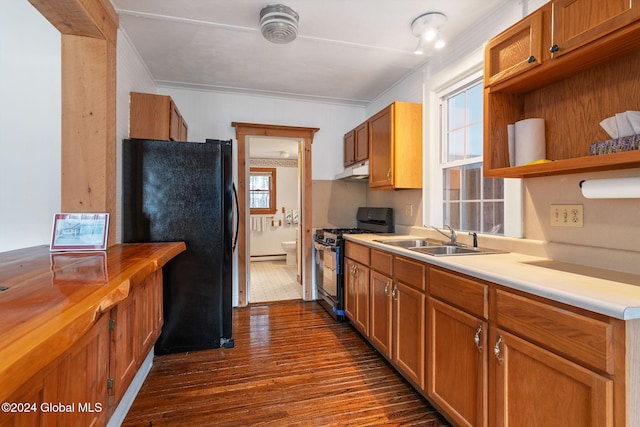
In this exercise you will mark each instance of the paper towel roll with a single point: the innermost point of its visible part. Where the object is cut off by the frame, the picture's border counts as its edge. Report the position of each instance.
(530, 141)
(511, 138)
(614, 188)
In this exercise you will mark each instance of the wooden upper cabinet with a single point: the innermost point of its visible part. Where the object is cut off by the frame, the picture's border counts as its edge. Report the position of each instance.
(579, 22)
(516, 50)
(155, 117)
(361, 146)
(591, 75)
(356, 145)
(395, 149)
(349, 148)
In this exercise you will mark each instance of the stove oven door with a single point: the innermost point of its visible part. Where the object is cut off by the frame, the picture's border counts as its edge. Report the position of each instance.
(327, 271)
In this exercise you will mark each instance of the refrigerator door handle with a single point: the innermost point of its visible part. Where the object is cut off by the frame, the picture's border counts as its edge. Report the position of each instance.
(235, 239)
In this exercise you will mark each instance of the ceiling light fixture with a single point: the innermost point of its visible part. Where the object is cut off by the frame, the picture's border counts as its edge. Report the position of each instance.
(428, 27)
(279, 23)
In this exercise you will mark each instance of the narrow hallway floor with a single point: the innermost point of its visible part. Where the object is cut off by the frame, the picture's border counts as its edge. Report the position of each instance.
(274, 281)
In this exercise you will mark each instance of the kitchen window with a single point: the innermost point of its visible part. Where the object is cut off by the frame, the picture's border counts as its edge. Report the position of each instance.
(461, 196)
(262, 191)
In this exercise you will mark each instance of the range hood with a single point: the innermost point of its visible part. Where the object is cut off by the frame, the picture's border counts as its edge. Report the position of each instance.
(357, 172)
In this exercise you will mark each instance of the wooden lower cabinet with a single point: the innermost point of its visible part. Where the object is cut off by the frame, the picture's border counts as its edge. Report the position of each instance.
(409, 312)
(96, 371)
(457, 367)
(534, 387)
(356, 279)
(135, 326)
(71, 391)
(381, 308)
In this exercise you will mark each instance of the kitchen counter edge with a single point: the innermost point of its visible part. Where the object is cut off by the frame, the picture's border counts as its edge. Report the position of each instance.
(606, 292)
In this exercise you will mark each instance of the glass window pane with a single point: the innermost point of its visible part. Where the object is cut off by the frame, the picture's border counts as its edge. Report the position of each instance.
(474, 104)
(472, 182)
(456, 145)
(470, 217)
(456, 110)
(452, 184)
(474, 140)
(451, 215)
(493, 188)
(493, 217)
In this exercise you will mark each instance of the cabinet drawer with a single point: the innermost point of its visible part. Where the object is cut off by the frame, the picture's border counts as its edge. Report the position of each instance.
(410, 272)
(357, 252)
(382, 262)
(467, 294)
(587, 340)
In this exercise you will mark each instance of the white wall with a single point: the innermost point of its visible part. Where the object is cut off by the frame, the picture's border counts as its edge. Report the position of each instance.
(267, 241)
(131, 76)
(30, 125)
(210, 114)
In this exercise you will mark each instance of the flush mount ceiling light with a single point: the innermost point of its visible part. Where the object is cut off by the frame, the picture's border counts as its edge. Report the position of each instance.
(428, 27)
(279, 23)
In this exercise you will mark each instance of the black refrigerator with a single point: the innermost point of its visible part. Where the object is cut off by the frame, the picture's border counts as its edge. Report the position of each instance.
(183, 191)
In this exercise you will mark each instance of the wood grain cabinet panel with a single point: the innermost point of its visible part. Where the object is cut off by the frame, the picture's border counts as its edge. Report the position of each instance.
(579, 22)
(409, 314)
(514, 51)
(349, 148)
(395, 147)
(534, 387)
(356, 277)
(155, 117)
(587, 72)
(381, 311)
(457, 363)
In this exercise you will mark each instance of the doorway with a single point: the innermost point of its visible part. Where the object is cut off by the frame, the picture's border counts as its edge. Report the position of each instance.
(274, 220)
(243, 132)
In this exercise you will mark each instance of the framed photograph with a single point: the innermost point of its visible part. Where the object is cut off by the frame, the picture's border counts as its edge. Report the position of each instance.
(79, 232)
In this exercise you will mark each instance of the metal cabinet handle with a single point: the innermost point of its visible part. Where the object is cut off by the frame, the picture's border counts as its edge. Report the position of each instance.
(531, 59)
(394, 292)
(389, 175)
(476, 338)
(554, 48)
(386, 288)
(496, 349)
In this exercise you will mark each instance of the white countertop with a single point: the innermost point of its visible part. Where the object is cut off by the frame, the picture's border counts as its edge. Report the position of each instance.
(607, 292)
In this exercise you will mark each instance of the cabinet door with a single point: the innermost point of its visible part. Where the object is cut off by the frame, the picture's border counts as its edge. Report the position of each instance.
(534, 387)
(578, 22)
(381, 287)
(515, 51)
(457, 363)
(357, 295)
(361, 146)
(184, 130)
(349, 148)
(381, 149)
(80, 378)
(174, 123)
(409, 332)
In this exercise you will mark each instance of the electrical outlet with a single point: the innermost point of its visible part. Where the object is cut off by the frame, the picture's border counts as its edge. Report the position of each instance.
(567, 216)
(408, 210)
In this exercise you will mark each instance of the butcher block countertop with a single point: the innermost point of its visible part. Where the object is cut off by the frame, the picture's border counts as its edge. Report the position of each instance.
(52, 298)
(607, 292)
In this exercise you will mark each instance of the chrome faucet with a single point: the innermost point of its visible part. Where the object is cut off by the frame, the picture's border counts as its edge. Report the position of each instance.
(453, 238)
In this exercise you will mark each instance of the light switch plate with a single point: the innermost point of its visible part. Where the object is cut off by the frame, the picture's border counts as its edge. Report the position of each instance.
(567, 216)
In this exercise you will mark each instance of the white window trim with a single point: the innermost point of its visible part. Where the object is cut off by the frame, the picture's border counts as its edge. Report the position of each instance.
(433, 187)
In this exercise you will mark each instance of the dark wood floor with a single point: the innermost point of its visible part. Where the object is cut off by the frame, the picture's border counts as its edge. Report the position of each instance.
(292, 365)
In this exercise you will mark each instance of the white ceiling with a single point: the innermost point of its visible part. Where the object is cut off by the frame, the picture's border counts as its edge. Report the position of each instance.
(346, 51)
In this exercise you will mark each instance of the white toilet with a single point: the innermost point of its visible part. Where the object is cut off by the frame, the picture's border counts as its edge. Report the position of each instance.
(290, 250)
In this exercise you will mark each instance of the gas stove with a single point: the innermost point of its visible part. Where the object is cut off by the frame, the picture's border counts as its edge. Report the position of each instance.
(330, 236)
(329, 256)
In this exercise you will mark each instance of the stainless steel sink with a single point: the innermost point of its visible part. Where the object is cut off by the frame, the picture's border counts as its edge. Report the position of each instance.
(453, 250)
(410, 243)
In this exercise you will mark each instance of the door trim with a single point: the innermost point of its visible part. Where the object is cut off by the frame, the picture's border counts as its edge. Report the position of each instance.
(244, 130)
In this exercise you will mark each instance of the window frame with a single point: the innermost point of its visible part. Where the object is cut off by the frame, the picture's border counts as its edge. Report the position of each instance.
(272, 209)
(464, 73)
